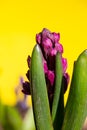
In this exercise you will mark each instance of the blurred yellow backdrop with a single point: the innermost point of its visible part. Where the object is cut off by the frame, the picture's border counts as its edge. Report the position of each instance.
(20, 20)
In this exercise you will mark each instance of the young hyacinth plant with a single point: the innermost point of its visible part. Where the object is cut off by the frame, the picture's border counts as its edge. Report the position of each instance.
(53, 67)
(48, 81)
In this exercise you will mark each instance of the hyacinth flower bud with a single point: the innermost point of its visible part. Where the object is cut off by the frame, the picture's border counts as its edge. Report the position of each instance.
(50, 46)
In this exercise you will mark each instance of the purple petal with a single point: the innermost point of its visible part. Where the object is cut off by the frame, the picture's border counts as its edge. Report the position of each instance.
(28, 75)
(47, 44)
(45, 67)
(45, 33)
(26, 88)
(64, 63)
(51, 77)
(29, 61)
(66, 79)
(59, 47)
(53, 52)
(56, 36)
(66, 75)
(38, 38)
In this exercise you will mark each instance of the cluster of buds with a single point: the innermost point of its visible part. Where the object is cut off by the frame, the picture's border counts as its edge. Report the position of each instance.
(49, 43)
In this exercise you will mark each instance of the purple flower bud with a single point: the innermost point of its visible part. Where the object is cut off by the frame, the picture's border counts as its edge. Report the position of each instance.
(29, 61)
(51, 77)
(56, 36)
(66, 75)
(66, 79)
(53, 52)
(38, 38)
(45, 33)
(28, 75)
(47, 44)
(64, 63)
(50, 46)
(45, 67)
(26, 88)
(59, 47)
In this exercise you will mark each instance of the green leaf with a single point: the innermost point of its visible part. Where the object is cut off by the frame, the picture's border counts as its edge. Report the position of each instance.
(12, 119)
(2, 113)
(76, 107)
(58, 100)
(40, 101)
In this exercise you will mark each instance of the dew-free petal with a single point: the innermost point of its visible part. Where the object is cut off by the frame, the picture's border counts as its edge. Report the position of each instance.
(51, 76)
(38, 38)
(64, 63)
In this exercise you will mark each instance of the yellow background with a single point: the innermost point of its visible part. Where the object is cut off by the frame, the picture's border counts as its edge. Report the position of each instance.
(20, 20)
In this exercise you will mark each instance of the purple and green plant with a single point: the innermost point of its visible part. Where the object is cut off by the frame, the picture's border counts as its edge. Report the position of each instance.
(48, 81)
